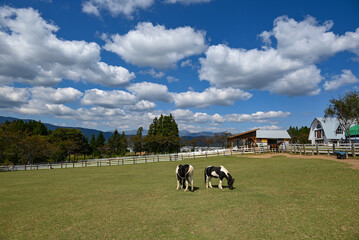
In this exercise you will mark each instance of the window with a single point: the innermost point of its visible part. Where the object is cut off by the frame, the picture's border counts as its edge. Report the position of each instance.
(319, 126)
(318, 134)
(339, 130)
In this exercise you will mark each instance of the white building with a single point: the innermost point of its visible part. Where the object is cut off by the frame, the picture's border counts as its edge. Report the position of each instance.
(326, 132)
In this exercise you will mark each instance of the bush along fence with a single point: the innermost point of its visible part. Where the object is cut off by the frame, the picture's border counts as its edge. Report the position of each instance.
(135, 159)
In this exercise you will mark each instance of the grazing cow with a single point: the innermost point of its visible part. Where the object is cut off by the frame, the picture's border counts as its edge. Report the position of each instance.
(183, 173)
(217, 172)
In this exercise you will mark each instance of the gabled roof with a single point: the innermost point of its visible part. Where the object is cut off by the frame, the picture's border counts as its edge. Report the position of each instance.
(330, 126)
(243, 133)
(270, 134)
(273, 134)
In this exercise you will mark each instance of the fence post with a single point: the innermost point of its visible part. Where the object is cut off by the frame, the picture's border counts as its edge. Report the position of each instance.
(123, 162)
(100, 163)
(109, 162)
(158, 158)
(304, 149)
(86, 163)
(317, 149)
(61, 165)
(145, 159)
(73, 164)
(353, 150)
(333, 147)
(170, 158)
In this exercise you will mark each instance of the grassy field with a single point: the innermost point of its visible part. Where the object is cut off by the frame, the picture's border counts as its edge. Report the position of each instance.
(276, 198)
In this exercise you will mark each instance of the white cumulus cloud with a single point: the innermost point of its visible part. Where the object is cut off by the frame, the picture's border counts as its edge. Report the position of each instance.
(115, 7)
(310, 41)
(288, 68)
(256, 117)
(13, 97)
(31, 53)
(58, 96)
(151, 91)
(210, 96)
(156, 46)
(346, 78)
(108, 99)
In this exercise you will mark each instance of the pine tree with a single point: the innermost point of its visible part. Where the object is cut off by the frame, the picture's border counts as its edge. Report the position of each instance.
(138, 141)
(163, 135)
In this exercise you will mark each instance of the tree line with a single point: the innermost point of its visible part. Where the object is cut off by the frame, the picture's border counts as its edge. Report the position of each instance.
(31, 142)
(299, 135)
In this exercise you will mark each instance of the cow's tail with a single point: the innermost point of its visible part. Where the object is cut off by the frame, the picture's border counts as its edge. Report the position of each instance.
(205, 173)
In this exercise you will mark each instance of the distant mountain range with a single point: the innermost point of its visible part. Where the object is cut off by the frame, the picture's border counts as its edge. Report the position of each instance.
(88, 132)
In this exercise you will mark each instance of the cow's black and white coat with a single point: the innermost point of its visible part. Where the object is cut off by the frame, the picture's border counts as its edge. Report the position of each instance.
(217, 172)
(184, 174)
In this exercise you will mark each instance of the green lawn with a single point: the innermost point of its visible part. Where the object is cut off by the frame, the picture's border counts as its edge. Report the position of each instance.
(277, 198)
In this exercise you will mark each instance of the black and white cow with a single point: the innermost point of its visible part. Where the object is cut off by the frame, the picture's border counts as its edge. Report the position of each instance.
(217, 172)
(184, 173)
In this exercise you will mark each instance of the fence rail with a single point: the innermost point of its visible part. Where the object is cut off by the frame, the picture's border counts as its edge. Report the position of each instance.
(134, 159)
(306, 149)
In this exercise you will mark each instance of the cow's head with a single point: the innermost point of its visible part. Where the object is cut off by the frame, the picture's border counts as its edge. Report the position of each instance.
(230, 183)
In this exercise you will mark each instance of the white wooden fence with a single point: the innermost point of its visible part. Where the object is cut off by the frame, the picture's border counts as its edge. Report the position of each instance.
(306, 149)
(134, 159)
(309, 149)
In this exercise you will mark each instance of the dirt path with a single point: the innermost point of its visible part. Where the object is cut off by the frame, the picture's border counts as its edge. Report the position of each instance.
(351, 161)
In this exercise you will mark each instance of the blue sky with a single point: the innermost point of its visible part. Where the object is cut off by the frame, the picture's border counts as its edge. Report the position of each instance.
(216, 65)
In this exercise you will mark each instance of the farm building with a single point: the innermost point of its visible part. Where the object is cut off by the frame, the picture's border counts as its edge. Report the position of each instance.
(259, 138)
(326, 132)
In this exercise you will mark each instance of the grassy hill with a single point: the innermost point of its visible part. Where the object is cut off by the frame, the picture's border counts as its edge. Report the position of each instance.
(276, 198)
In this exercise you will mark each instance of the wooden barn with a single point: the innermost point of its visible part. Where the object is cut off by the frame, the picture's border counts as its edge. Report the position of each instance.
(259, 138)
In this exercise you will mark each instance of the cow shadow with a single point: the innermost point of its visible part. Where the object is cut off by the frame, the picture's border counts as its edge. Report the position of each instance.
(216, 186)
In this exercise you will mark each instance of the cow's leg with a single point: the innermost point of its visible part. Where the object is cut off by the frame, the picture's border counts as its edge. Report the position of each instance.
(210, 182)
(206, 181)
(220, 184)
(192, 183)
(179, 183)
(186, 185)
